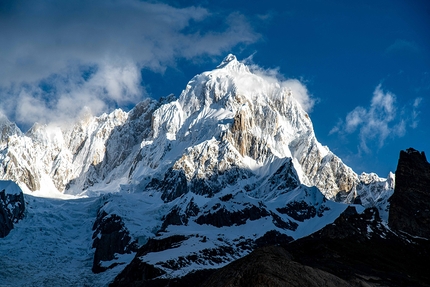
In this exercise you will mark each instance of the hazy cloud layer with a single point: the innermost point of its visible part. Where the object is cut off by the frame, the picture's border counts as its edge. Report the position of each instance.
(53, 41)
(381, 120)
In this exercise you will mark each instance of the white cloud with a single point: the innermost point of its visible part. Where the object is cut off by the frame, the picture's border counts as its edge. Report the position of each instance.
(108, 86)
(381, 120)
(49, 41)
(401, 45)
(415, 113)
(298, 89)
(41, 37)
(300, 93)
(417, 102)
(355, 118)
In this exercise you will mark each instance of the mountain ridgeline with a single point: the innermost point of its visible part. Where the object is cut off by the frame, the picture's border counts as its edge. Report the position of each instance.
(187, 185)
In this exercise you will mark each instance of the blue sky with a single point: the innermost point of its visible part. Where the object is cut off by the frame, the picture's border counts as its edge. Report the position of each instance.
(365, 63)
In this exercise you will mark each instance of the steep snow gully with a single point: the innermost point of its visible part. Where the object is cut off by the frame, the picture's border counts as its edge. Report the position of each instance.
(184, 184)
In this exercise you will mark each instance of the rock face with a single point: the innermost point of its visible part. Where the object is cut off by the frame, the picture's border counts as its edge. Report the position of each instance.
(12, 206)
(357, 249)
(111, 238)
(410, 203)
(201, 232)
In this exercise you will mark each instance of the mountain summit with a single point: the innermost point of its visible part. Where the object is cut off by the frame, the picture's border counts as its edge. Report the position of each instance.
(194, 182)
(227, 60)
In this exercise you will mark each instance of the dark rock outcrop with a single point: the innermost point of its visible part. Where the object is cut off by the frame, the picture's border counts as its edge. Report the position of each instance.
(301, 211)
(12, 206)
(271, 266)
(155, 245)
(136, 278)
(178, 217)
(219, 216)
(173, 185)
(110, 236)
(139, 273)
(273, 237)
(410, 203)
(285, 178)
(358, 227)
(223, 217)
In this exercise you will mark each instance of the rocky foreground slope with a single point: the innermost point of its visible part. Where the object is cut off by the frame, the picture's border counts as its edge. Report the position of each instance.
(181, 185)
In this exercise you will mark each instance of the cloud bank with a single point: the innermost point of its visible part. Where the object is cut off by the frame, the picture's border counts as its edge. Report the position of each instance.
(383, 119)
(59, 56)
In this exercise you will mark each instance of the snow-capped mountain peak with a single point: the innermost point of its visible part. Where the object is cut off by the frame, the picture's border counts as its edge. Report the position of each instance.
(230, 59)
(7, 129)
(231, 162)
(247, 119)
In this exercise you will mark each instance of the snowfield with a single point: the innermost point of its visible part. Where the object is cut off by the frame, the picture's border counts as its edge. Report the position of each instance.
(52, 245)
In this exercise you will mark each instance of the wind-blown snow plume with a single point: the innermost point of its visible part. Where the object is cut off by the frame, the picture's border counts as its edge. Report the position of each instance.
(298, 88)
